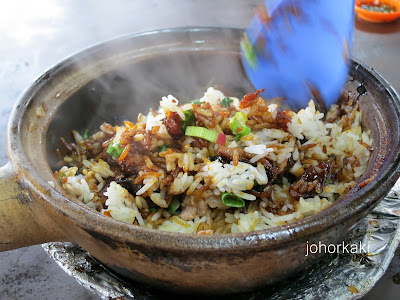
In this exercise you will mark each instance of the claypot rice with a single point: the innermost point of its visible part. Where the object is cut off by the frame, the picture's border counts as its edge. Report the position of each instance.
(217, 164)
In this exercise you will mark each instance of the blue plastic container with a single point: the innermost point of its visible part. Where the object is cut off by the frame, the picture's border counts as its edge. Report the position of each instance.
(300, 49)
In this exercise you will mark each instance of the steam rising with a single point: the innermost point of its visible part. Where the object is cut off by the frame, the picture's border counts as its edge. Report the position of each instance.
(183, 64)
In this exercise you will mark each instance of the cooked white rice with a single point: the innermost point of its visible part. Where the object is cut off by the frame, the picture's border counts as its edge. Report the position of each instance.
(213, 178)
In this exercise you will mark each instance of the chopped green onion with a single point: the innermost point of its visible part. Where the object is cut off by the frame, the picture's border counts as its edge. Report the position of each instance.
(196, 102)
(174, 205)
(241, 117)
(85, 135)
(60, 175)
(202, 132)
(232, 200)
(115, 149)
(381, 8)
(238, 125)
(255, 183)
(242, 131)
(163, 147)
(189, 119)
(234, 125)
(226, 102)
(206, 134)
(328, 181)
(248, 51)
(152, 209)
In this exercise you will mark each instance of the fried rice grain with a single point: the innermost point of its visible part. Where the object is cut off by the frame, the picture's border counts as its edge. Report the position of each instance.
(218, 164)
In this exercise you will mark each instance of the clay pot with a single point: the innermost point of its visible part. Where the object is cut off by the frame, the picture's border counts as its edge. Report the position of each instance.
(127, 76)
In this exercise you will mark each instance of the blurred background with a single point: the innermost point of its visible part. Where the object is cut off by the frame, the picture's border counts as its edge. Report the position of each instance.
(35, 35)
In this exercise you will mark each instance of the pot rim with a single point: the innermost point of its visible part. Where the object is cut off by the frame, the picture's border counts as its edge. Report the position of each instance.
(275, 237)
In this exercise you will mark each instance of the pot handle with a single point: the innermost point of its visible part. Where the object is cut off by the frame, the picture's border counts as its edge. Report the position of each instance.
(22, 222)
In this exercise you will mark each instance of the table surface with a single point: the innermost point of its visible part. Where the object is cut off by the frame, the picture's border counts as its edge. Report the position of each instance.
(34, 35)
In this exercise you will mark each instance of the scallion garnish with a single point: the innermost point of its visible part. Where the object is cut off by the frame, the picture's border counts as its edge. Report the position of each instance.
(238, 125)
(248, 51)
(174, 205)
(242, 131)
(226, 102)
(207, 134)
(328, 181)
(86, 134)
(153, 209)
(115, 149)
(60, 175)
(196, 102)
(232, 200)
(163, 147)
(189, 119)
